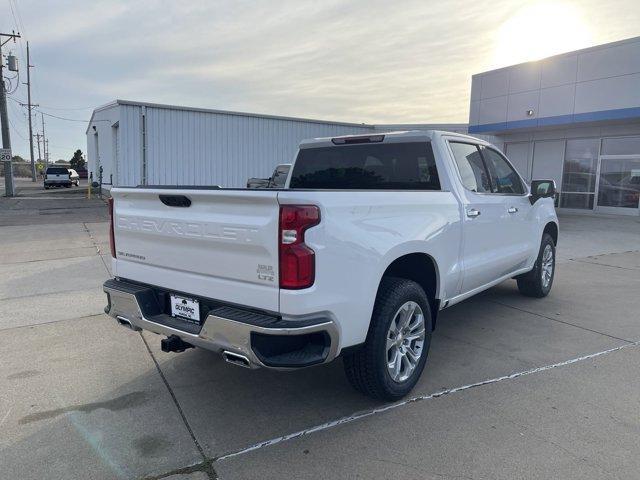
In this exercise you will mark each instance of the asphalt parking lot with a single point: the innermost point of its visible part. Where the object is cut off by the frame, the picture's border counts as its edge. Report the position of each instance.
(514, 387)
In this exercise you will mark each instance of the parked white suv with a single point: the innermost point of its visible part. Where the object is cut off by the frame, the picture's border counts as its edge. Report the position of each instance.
(57, 177)
(369, 239)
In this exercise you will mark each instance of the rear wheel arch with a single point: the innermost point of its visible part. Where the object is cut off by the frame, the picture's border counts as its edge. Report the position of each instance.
(422, 269)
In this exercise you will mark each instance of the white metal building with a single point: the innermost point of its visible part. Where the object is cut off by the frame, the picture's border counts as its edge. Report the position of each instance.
(149, 144)
(573, 117)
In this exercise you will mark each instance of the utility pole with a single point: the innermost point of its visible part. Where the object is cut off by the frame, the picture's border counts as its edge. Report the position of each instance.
(38, 136)
(4, 118)
(44, 150)
(29, 107)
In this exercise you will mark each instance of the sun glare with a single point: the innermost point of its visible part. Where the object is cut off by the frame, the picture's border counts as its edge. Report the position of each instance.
(540, 30)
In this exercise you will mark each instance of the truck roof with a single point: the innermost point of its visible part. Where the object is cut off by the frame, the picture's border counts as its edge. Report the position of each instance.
(390, 137)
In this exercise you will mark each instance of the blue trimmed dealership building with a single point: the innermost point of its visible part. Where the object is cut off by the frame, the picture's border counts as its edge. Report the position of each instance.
(573, 117)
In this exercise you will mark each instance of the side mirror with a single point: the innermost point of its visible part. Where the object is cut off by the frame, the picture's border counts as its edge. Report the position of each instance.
(542, 189)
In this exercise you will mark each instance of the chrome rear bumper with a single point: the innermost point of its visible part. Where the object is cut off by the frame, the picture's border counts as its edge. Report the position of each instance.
(225, 329)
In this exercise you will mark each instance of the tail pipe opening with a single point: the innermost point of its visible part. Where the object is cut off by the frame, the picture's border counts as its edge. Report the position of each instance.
(236, 359)
(127, 323)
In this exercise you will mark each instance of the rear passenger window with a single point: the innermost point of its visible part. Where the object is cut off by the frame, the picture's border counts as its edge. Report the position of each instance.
(503, 176)
(57, 171)
(472, 172)
(375, 166)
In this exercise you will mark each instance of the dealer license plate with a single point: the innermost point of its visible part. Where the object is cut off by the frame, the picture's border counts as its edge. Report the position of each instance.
(186, 308)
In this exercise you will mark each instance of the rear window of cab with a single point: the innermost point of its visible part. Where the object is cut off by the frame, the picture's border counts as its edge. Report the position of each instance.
(371, 166)
(57, 171)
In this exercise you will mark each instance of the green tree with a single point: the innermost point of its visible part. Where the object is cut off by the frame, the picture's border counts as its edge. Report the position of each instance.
(77, 162)
(17, 158)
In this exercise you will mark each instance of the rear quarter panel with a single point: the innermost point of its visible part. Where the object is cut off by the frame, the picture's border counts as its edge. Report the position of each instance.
(360, 234)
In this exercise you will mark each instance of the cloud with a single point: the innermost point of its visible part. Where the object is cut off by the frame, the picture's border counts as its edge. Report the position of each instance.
(359, 61)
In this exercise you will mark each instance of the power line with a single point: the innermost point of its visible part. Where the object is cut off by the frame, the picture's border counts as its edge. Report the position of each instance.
(18, 24)
(15, 130)
(13, 14)
(17, 10)
(18, 113)
(17, 101)
(71, 119)
(64, 118)
(63, 108)
(46, 107)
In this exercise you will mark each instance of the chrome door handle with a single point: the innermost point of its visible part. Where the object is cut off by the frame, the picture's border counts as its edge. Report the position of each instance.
(473, 213)
(512, 209)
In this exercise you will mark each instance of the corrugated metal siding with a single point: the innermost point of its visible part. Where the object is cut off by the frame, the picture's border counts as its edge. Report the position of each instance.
(202, 148)
(130, 137)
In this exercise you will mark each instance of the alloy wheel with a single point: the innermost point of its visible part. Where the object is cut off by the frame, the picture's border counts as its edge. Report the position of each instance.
(405, 341)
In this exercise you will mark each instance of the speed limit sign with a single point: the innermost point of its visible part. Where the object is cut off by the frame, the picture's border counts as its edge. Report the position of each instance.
(5, 154)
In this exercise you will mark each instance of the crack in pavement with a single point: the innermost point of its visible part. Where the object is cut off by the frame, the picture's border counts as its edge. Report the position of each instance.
(33, 325)
(95, 244)
(605, 265)
(206, 465)
(560, 321)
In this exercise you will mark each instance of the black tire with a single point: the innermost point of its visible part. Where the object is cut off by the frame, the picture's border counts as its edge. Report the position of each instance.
(532, 284)
(366, 368)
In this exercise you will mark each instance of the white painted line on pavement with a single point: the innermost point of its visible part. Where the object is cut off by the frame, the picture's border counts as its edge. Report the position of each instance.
(392, 406)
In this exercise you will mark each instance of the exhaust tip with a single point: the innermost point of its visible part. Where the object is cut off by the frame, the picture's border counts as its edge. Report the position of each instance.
(127, 323)
(236, 359)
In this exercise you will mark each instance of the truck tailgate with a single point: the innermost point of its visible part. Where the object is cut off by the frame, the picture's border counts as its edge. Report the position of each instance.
(224, 245)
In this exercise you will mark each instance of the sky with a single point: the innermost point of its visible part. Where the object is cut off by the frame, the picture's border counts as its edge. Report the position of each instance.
(357, 61)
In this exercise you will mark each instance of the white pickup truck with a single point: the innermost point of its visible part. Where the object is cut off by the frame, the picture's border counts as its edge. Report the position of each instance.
(370, 237)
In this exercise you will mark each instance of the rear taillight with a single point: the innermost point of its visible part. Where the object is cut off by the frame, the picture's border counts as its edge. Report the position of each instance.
(297, 260)
(112, 239)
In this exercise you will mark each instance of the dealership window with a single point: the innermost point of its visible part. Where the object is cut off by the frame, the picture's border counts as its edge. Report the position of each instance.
(621, 146)
(579, 175)
(548, 157)
(518, 155)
